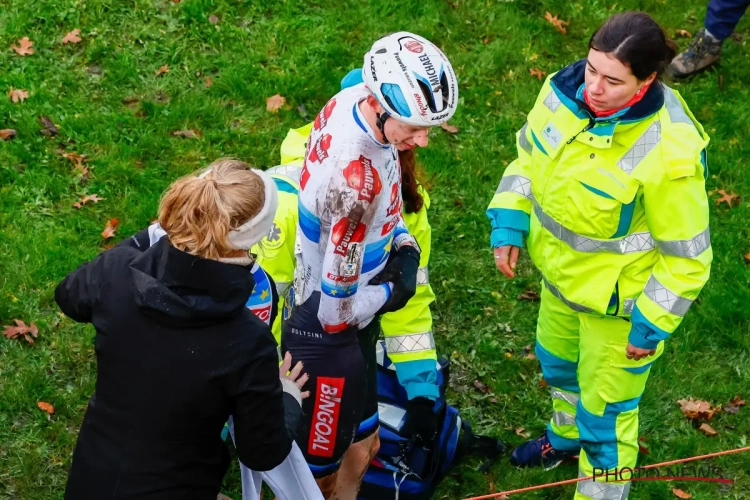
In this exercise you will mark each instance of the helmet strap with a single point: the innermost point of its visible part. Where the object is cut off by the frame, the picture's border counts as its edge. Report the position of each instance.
(380, 123)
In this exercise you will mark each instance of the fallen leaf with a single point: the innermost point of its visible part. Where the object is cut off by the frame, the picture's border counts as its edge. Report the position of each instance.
(72, 37)
(50, 130)
(493, 400)
(529, 295)
(747, 257)
(130, 101)
(46, 407)
(188, 134)
(18, 94)
(537, 73)
(482, 388)
(543, 384)
(697, 410)
(681, 494)
(707, 430)
(7, 134)
(162, 70)
(110, 228)
(642, 448)
(731, 199)
(213, 19)
(530, 356)
(209, 82)
(733, 406)
(520, 431)
(559, 24)
(508, 355)
(24, 47)
(275, 102)
(683, 33)
(91, 197)
(451, 129)
(736, 401)
(21, 330)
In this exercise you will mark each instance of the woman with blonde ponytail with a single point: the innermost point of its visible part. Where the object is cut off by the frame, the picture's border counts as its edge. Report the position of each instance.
(179, 352)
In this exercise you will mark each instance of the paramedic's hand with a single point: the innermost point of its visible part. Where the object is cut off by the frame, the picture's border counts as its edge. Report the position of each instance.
(294, 374)
(636, 353)
(421, 421)
(506, 258)
(401, 270)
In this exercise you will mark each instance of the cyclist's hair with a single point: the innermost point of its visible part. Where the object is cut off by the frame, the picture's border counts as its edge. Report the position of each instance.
(198, 211)
(637, 41)
(413, 200)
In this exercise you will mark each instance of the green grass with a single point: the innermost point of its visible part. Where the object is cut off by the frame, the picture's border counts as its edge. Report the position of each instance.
(301, 50)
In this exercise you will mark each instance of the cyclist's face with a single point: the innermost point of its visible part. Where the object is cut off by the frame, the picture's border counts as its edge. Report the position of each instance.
(406, 137)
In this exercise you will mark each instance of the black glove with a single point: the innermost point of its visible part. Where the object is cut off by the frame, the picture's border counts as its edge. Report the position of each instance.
(421, 421)
(401, 270)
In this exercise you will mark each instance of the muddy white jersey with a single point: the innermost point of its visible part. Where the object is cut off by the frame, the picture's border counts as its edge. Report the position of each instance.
(349, 214)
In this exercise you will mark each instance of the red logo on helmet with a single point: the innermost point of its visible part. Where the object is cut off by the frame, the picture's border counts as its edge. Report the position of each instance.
(414, 46)
(361, 175)
(322, 119)
(420, 104)
(304, 177)
(319, 152)
(345, 232)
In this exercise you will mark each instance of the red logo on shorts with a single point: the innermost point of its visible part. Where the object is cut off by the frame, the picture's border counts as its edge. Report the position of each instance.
(345, 232)
(325, 417)
(414, 46)
(322, 119)
(361, 176)
(319, 152)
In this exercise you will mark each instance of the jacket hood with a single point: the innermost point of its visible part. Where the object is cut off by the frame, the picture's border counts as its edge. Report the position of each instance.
(179, 288)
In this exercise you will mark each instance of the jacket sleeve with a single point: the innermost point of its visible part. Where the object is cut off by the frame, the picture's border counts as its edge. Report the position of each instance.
(676, 206)
(78, 294)
(264, 417)
(510, 208)
(408, 332)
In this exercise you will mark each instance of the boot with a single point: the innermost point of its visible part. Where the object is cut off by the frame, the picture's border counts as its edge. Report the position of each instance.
(702, 52)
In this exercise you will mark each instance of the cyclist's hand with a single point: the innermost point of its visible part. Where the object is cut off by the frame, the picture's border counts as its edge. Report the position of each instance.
(506, 258)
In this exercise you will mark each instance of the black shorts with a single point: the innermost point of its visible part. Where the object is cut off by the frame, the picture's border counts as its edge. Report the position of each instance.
(339, 402)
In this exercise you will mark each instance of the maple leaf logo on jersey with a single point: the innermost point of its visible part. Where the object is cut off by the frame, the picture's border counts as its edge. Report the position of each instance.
(304, 177)
(319, 152)
(345, 232)
(361, 176)
(322, 119)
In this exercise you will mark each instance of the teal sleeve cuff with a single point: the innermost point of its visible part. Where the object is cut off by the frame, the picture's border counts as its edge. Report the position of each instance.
(643, 333)
(502, 236)
(509, 226)
(419, 378)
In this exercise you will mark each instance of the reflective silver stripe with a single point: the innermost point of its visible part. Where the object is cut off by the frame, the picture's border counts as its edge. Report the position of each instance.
(515, 184)
(569, 397)
(667, 299)
(603, 490)
(282, 287)
(554, 291)
(627, 306)
(293, 172)
(674, 107)
(640, 149)
(686, 248)
(635, 242)
(552, 101)
(423, 276)
(523, 141)
(563, 418)
(410, 343)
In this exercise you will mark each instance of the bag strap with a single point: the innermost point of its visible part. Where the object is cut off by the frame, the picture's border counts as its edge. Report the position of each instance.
(474, 444)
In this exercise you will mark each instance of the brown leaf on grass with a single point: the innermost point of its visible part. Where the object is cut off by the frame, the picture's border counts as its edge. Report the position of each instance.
(46, 407)
(683, 33)
(537, 73)
(642, 448)
(21, 330)
(213, 19)
(520, 431)
(162, 70)
(707, 430)
(731, 199)
(24, 47)
(7, 134)
(681, 494)
(697, 409)
(543, 384)
(482, 388)
(275, 102)
(130, 101)
(529, 295)
(91, 197)
(72, 37)
(110, 228)
(209, 82)
(18, 94)
(747, 257)
(559, 24)
(188, 134)
(50, 130)
(733, 406)
(451, 129)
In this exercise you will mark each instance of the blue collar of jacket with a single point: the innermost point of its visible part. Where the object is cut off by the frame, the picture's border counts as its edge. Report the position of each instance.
(568, 84)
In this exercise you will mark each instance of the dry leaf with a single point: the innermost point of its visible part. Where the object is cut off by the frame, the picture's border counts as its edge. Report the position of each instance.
(559, 24)
(72, 37)
(24, 47)
(451, 129)
(91, 197)
(707, 430)
(733, 406)
(520, 431)
(213, 19)
(683, 33)
(275, 102)
(681, 494)
(543, 384)
(50, 130)
(7, 134)
(46, 407)
(731, 199)
(641, 447)
(209, 82)
(697, 410)
(18, 94)
(21, 330)
(537, 73)
(110, 228)
(162, 70)
(482, 388)
(747, 257)
(529, 295)
(188, 134)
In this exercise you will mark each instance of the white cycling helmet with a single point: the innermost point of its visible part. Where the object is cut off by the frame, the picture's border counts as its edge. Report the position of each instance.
(412, 79)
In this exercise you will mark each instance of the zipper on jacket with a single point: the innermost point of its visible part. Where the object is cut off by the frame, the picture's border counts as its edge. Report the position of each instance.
(585, 129)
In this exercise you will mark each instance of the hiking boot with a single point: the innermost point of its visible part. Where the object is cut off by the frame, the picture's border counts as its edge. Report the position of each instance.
(702, 52)
(540, 452)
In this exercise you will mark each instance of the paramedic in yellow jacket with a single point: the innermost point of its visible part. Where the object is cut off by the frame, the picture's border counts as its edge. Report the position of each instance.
(608, 190)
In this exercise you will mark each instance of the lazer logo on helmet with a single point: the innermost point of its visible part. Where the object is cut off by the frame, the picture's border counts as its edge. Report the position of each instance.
(420, 103)
(439, 117)
(372, 69)
(325, 416)
(361, 176)
(430, 70)
(414, 46)
(347, 231)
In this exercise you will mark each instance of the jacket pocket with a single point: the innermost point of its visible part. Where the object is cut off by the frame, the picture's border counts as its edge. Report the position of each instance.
(623, 379)
(600, 206)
